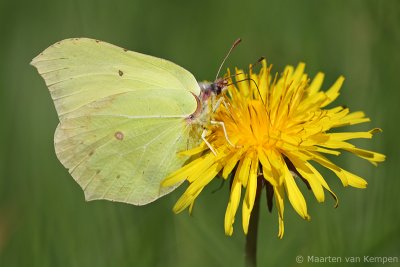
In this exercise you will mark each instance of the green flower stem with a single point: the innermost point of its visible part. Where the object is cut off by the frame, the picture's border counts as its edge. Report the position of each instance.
(251, 238)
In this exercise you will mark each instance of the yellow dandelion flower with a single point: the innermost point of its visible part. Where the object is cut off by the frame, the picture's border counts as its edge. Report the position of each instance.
(274, 130)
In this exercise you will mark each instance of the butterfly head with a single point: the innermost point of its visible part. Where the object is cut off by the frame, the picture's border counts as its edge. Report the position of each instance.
(208, 89)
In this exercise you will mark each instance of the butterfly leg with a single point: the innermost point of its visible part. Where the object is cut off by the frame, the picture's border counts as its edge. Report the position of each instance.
(224, 129)
(203, 136)
(217, 104)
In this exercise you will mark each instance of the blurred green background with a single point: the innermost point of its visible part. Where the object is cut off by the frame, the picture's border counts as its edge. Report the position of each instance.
(44, 220)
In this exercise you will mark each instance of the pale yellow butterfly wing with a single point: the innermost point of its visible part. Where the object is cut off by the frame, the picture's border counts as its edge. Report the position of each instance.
(122, 117)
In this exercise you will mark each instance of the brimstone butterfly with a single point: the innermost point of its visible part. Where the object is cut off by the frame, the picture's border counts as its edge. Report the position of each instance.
(123, 115)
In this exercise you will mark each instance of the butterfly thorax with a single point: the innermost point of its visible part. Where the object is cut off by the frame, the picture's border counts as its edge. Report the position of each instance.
(210, 92)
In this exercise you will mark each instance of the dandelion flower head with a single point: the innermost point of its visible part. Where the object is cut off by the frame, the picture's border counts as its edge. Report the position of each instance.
(276, 128)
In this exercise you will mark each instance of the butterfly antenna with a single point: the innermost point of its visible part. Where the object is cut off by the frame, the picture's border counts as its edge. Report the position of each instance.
(257, 62)
(227, 55)
(251, 67)
(251, 80)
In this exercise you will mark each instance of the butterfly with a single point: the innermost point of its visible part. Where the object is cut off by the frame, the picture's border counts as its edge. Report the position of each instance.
(124, 117)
